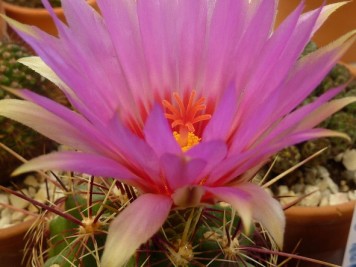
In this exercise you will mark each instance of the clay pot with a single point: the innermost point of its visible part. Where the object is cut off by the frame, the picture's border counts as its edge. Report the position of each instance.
(12, 243)
(323, 231)
(37, 16)
(340, 22)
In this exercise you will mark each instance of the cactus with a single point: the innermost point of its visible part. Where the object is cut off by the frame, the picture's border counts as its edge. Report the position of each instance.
(191, 237)
(17, 137)
(33, 3)
(286, 159)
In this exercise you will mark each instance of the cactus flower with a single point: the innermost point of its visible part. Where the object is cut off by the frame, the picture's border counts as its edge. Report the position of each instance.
(184, 100)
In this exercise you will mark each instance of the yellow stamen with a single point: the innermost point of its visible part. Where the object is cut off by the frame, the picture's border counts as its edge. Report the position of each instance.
(184, 116)
(191, 141)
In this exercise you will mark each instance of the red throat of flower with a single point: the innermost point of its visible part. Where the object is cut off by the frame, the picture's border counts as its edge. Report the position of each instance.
(184, 117)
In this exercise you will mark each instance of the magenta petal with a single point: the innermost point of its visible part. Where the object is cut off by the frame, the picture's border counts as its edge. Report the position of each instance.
(127, 44)
(180, 170)
(133, 149)
(134, 226)
(253, 202)
(159, 35)
(158, 133)
(220, 125)
(255, 36)
(226, 22)
(213, 153)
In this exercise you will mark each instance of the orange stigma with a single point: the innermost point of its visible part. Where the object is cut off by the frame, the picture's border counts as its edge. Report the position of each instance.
(184, 117)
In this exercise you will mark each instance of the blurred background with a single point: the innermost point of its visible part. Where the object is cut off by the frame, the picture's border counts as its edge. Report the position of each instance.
(339, 23)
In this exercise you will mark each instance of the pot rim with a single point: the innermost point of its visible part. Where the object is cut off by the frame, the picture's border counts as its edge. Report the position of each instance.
(338, 210)
(16, 229)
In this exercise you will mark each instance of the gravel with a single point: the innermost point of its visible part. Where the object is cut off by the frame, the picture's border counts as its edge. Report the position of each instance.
(320, 186)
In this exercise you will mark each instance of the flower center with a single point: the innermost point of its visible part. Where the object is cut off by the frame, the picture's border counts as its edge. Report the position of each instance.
(191, 140)
(184, 116)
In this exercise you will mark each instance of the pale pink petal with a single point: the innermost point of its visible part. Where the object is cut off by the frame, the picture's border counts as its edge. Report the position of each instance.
(158, 133)
(58, 109)
(324, 111)
(67, 128)
(252, 202)
(36, 63)
(134, 226)
(324, 14)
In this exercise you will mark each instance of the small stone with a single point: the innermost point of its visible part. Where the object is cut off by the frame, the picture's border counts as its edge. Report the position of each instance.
(32, 208)
(338, 157)
(17, 216)
(298, 188)
(352, 195)
(290, 197)
(32, 191)
(41, 195)
(350, 176)
(5, 213)
(349, 160)
(324, 201)
(343, 186)
(283, 190)
(332, 185)
(31, 181)
(310, 176)
(323, 172)
(27, 218)
(4, 222)
(313, 199)
(4, 199)
(322, 184)
(338, 198)
(18, 202)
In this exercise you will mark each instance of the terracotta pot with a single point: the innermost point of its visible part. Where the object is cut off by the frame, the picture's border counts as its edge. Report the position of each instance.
(323, 231)
(37, 16)
(12, 243)
(339, 23)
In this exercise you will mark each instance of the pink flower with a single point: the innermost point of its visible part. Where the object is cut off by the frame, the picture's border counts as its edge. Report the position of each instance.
(185, 100)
